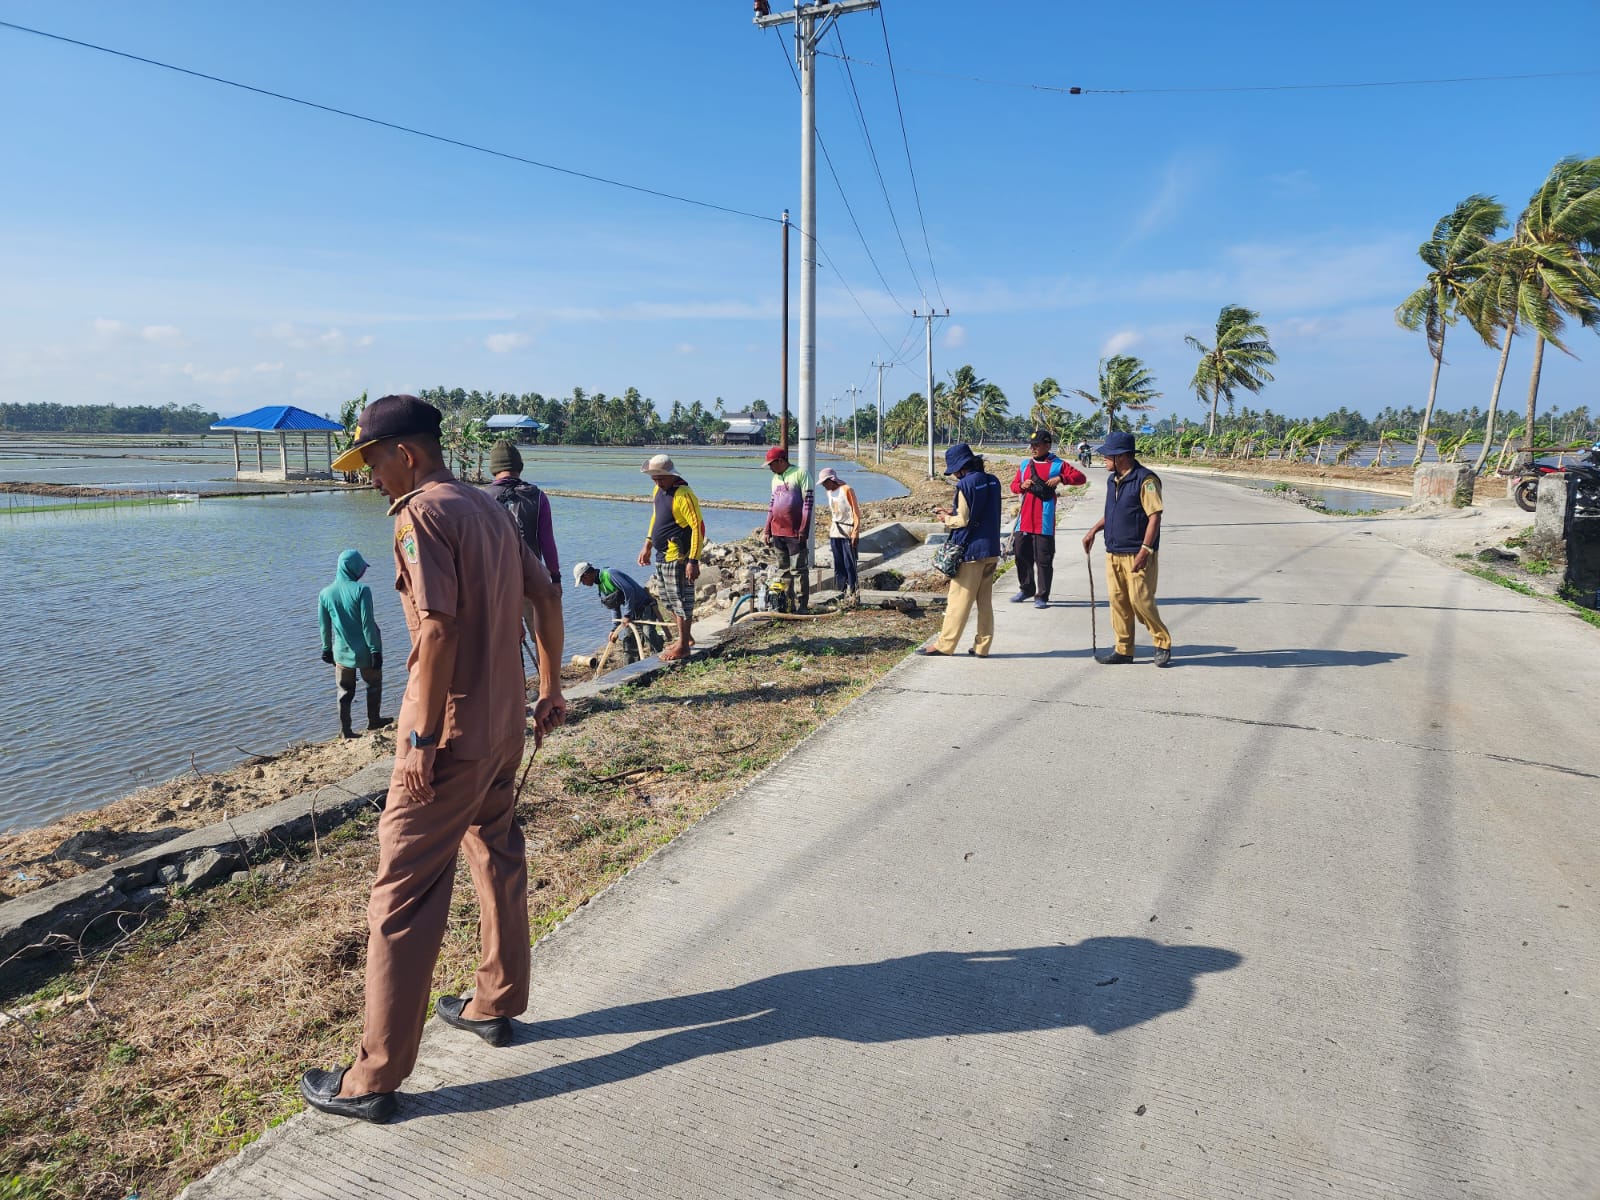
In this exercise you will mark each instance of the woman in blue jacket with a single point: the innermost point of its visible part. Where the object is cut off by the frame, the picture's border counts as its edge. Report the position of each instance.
(974, 525)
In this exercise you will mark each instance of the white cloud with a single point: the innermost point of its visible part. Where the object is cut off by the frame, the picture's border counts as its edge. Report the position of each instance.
(334, 340)
(1120, 342)
(686, 348)
(505, 343)
(955, 336)
(1180, 179)
(107, 328)
(262, 368)
(165, 335)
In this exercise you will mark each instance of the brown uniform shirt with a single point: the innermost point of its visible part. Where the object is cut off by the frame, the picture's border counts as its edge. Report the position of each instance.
(457, 553)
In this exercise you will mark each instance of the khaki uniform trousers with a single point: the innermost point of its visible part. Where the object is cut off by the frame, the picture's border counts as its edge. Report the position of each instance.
(973, 583)
(472, 810)
(1134, 594)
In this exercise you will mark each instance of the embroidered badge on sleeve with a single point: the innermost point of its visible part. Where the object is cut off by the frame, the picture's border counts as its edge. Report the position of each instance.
(406, 539)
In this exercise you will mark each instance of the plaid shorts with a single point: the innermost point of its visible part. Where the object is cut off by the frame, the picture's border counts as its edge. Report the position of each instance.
(677, 593)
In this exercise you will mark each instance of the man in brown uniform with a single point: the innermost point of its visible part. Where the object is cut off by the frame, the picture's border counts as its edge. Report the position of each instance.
(462, 572)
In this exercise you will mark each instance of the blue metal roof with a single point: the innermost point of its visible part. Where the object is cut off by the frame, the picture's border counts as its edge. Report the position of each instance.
(277, 417)
(512, 421)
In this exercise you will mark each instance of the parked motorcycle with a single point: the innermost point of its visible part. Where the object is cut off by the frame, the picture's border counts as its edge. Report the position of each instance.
(1583, 474)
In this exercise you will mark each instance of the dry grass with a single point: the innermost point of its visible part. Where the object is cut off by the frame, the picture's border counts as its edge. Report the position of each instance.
(150, 1058)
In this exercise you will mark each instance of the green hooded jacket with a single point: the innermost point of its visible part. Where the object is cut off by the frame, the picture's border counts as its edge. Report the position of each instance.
(345, 610)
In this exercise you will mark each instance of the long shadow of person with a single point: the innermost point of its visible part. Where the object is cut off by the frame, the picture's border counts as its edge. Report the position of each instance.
(1102, 983)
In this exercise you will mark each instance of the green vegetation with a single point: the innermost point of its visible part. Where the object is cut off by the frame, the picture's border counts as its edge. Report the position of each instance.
(1585, 613)
(103, 418)
(1123, 384)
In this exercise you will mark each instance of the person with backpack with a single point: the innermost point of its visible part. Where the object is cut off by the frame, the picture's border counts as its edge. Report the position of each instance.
(529, 508)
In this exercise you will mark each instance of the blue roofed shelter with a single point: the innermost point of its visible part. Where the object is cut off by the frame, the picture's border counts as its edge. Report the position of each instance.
(514, 424)
(286, 422)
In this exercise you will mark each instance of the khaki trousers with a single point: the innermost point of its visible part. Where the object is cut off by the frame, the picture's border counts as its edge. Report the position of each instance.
(472, 810)
(1134, 594)
(974, 582)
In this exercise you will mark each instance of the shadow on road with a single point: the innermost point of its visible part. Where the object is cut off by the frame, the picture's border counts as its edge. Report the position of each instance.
(1103, 984)
(1232, 656)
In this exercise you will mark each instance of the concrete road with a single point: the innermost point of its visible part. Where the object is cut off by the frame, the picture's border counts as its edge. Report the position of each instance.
(1311, 913)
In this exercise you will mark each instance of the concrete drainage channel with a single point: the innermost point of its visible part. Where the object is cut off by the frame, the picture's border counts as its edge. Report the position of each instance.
(86, 906)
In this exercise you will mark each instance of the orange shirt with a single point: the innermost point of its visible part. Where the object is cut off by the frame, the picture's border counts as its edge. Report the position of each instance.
(457, 553)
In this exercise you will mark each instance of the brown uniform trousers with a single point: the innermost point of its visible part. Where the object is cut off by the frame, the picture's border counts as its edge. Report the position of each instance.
(457, 554)
(1133, 594)
(973, 584)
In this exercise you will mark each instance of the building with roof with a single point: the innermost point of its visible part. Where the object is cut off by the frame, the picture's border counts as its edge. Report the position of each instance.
(287, 422)
(515, 425)
(745, 429)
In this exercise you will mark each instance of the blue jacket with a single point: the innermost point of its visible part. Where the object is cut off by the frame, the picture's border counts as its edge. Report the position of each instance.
(1125, 516)
(980, 537)
(344, 609)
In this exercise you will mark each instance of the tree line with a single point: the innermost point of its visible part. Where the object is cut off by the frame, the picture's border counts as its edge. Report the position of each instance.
(104, 418)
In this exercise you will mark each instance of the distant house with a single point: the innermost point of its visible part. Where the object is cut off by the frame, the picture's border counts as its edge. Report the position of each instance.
(287, 422)
(515, 425)
(745, 429)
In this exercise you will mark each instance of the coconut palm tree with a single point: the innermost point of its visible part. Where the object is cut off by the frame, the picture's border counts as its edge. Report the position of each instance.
(1559, 239)
(1238, 360)
(1125, 383)
(960, 397)
(1450, 256)
(992, 411)
(1046, 413)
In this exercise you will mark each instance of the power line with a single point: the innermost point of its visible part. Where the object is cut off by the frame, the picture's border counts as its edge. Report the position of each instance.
(906, 141)
(861, 118)
(395, 126)
(1179, 91)
(839, 185)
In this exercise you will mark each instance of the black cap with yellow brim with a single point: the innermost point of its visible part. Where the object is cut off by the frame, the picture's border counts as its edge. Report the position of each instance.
(388, 417)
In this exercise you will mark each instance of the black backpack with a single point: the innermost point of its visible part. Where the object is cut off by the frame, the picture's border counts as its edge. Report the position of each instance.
(524, 502)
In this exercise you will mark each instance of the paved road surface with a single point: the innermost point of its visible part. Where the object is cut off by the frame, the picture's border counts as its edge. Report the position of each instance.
(1312, 913)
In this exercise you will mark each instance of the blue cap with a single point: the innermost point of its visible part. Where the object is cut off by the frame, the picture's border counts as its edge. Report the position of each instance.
(1116, 443)
(956, 457)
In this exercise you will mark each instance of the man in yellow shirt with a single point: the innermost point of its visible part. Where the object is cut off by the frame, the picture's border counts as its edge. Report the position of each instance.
(677, 532)
(1133, 536)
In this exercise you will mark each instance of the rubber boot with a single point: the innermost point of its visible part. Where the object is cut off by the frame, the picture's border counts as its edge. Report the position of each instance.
(375, 709)
(344, 717)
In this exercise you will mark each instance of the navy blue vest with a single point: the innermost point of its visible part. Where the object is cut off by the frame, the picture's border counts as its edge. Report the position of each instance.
(980, 537)
(1125, 516)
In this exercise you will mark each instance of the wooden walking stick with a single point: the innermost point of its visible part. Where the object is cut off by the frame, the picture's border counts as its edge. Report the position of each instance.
(1094, 633)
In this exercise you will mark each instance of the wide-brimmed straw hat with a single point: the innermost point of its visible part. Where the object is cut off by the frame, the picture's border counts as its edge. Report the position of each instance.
(658, 464)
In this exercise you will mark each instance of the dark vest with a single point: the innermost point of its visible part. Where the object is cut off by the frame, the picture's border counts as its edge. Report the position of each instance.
(666, 530)
(1125, 517)
(980, 537)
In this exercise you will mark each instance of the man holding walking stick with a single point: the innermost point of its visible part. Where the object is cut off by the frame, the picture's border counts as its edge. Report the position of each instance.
(1132, 525)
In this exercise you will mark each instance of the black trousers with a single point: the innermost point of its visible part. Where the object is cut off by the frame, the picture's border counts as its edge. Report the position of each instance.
(1036, 563)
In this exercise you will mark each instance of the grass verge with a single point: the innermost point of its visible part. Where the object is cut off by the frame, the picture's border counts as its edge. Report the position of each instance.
(1516, 585)
(179, 1038)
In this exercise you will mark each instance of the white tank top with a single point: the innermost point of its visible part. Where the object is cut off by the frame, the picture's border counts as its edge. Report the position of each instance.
(844, 520)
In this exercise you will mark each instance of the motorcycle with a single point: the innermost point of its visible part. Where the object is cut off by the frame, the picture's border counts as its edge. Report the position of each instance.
(1584, 474)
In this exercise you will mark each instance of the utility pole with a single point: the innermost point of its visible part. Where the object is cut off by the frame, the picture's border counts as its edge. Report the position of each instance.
(928, 317)
(833, 424)
(811, 22)
(881, 366)
(855, 420)
(783, 391)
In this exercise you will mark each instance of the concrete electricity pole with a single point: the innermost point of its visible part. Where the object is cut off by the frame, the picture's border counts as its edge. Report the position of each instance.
(878, 457)
(928, 317)
(855, 420)
(811, 22)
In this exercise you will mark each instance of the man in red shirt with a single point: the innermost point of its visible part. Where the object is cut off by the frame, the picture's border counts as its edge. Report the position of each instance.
(1036, 482)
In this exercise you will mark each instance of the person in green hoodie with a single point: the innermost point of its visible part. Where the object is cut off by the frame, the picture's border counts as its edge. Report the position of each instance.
(350, 640)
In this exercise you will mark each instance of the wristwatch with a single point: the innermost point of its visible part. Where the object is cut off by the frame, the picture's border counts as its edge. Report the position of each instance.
(418, 742)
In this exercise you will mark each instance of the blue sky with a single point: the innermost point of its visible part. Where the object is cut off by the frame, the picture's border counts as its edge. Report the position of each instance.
(165, 239)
